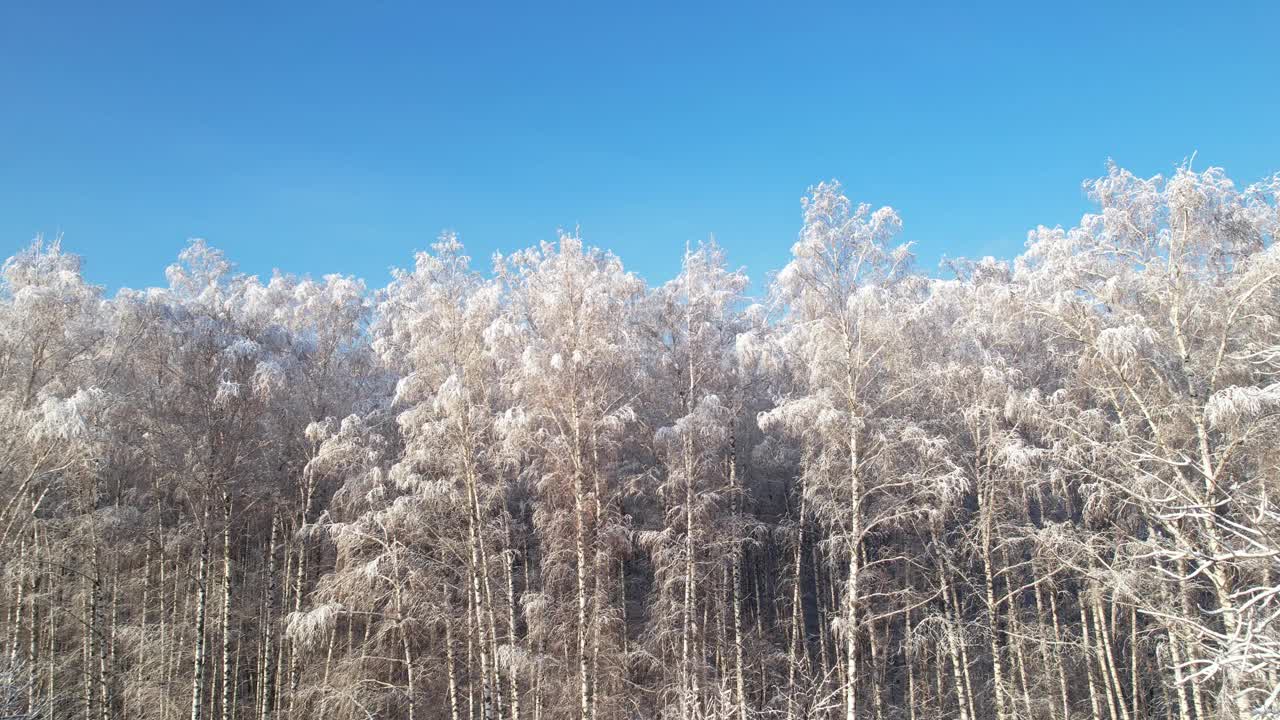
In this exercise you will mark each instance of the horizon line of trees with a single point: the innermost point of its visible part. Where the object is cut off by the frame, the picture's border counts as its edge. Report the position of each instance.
(1043, 488)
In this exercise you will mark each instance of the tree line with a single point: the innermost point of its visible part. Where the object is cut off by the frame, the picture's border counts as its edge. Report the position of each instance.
(1043, 488)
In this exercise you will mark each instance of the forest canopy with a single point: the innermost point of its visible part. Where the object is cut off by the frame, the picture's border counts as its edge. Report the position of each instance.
(1042, 487)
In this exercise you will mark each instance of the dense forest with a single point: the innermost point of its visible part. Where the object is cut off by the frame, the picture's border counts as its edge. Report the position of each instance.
(1042, 488)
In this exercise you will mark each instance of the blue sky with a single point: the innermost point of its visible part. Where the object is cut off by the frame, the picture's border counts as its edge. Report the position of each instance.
(318, 137)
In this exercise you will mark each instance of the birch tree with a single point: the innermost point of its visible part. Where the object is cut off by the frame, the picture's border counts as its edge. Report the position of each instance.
(833, 290)
(565, 349)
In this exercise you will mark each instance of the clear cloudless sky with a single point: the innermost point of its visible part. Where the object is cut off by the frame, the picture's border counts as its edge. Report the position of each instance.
(322, 137)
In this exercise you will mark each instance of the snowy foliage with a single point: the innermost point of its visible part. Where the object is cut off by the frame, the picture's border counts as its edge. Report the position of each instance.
(66, 419)
(1041, 487)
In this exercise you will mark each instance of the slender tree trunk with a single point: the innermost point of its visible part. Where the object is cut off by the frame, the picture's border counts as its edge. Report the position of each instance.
(537, 685)
(1015, 643)
(689, 691)
(535, 652)
(970, 695)
(1090, 673)
(495, 681)
(15, 624)
(106, 647)
(1057, 656)
(580, 551)
(988, 576)
(410, 672)
(825, 651)
(599, 568)
(227, 679)
(959, 665)
(738, 662)
(939, 686)
(296, 594)
(86, 666)
(796, 645)
(1134, 689)
(449, 668)
(877, 660)
(1190, 610)
(33, 647)
(624, 621)
(202, 583)
(851, 582)
(235, 683)
(405, 644)
(267, 678)
(1175, 654)
(281, 650)
(478, 601)
(1020, 659)
(512, 673)
(1106, 660)
(51, 654)
(910, 663)
(471, 623)
(300, 580)
(165, 664)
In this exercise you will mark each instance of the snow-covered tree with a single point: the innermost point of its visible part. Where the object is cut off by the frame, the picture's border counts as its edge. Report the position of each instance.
(566, 350)
(696, 322)
(839, 330)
